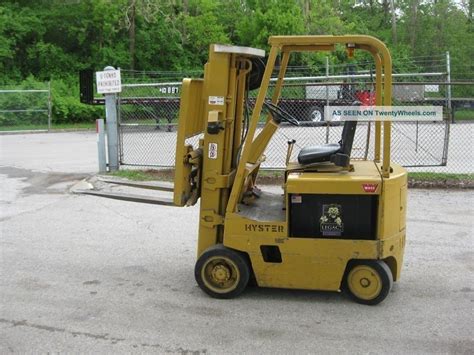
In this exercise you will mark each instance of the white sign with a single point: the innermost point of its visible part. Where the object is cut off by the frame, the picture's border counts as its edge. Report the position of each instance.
(216, 100)
(169, 90)
(108, 81)
(383, 113)
(212, 151)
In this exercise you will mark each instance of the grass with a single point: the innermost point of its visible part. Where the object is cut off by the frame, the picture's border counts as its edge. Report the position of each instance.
(61, 126)
(145, 175)
(427, 176)
(461, 115)
(271, 173)
(23, 128)
(135, 175)
(151, 174)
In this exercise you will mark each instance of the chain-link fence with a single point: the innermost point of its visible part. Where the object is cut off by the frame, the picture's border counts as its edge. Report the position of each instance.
(148, 116)
(25, 109)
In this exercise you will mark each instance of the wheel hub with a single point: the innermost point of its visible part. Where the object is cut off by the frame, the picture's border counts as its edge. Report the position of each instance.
(365, 282)
(220, 273)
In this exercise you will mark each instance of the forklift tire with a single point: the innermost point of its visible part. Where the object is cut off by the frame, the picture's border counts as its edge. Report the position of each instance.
(369, 281)
(222, 272)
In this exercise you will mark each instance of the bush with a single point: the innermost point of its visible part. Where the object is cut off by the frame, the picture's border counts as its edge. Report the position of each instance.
(66, 105)
(24, 108)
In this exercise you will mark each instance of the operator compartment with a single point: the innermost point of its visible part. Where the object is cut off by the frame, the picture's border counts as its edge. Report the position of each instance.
(332, 204)
(266, 206)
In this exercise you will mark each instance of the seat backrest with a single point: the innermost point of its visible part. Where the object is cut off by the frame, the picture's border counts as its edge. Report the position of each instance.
(348, 133)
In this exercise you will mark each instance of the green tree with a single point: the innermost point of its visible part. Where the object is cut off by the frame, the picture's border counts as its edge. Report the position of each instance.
(202, 28)
(268, 18)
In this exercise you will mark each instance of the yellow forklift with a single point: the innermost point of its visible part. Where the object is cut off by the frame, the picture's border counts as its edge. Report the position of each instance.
(340, 222)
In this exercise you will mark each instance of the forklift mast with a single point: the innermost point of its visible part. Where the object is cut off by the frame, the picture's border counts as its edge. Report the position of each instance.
(212, 109)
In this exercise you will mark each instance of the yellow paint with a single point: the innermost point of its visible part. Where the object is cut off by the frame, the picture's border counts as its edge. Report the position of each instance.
(220, 274)
(364, 282)
(339, 182)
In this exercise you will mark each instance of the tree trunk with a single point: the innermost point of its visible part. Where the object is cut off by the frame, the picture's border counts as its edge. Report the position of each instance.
(307, 8)
(470, 9)
(413, 20)
(185, 7)
(394, 22)
(386, 10)
(131, 33)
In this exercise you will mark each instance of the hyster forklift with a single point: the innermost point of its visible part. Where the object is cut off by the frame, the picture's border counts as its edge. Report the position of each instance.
(340, 222)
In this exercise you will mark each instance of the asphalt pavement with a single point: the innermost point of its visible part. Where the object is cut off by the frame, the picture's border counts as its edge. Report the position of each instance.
(81, 274)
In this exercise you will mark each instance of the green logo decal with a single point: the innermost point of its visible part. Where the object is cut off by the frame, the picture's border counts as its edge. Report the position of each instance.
(331, 221)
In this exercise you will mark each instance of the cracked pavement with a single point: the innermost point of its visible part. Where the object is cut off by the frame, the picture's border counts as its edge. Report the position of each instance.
(82, 274)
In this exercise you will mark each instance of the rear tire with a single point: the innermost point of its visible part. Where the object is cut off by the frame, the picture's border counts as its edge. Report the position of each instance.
(222, 272)
(369, 281)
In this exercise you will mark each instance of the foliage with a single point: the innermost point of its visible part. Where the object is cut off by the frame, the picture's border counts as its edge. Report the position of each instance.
(145, 175)
(427, 176)
(42, 40)
(66, 106)
(13, 104)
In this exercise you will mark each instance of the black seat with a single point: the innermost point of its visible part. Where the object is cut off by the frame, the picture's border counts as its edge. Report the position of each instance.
(337, 153)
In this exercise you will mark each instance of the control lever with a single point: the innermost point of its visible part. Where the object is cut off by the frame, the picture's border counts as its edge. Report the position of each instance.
(291, 143)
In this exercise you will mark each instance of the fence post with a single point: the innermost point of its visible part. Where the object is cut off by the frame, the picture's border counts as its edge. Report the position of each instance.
(448, 91)
(102, 157)
(327, 97)
(50, 105)
(112, 128)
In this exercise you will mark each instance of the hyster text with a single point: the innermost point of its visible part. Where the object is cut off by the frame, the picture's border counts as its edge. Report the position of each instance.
(263, 228)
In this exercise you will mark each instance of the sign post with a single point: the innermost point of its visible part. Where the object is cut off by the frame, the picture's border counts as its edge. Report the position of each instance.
(99, 126)
(109, 83)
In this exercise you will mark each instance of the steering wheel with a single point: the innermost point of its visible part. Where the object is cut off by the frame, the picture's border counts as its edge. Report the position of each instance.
(279, 113)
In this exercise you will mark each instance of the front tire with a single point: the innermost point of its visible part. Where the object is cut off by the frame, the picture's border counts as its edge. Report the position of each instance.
(222, 272)
(369, 281)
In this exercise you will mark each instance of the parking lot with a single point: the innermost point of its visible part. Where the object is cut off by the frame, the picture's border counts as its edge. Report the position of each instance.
(84, 274)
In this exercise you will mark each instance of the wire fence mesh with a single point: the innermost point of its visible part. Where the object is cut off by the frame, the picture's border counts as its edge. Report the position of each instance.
(148, 114)
(25, 109)
(147, 124)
